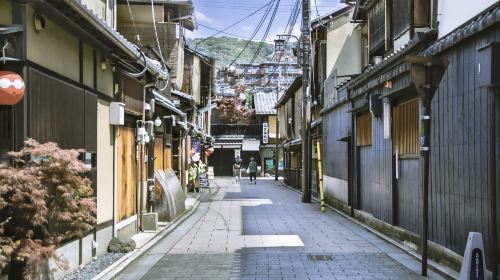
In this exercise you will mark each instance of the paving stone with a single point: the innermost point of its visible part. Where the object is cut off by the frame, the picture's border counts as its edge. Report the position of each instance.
(263, 231)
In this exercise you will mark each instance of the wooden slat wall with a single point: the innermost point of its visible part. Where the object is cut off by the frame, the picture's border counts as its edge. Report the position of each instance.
(6, 135)
(57, 111)
(127, 173)
(459, 200)
(364, 130)
(365, 180)
(405, 132)
(409, 195)
(381, 165)
(374, 179)
(336, 125)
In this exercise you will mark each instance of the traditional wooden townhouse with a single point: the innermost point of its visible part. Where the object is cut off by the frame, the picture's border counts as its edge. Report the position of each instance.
(289, 108)
(266, 114)
(199, 75)
(158, 28)
(75, 67)
(411, 143)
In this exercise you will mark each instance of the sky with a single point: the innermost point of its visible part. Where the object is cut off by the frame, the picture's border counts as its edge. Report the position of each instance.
(219, 14)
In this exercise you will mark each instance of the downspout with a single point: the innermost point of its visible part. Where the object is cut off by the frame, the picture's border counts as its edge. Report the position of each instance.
(142, 156)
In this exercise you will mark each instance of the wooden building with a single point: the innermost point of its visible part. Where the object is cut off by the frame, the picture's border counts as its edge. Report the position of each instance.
(77, 69)
(371, 127)
(290, 118)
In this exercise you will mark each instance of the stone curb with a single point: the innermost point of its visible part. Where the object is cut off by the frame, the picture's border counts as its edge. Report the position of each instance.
(123, 262)
(439, 269)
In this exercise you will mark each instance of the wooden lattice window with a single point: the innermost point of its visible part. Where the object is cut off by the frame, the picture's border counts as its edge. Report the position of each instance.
(364, 129)
(405, 128)
(376, 25)
(400, 17)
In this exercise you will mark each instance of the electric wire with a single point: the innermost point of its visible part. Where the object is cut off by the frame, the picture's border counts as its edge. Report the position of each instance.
(318, 15)
(271, 20)
(219, 32)
(156, 36)
(138, 38)
(290, 25)
(156, 33)
(259, 25)
(232, 25)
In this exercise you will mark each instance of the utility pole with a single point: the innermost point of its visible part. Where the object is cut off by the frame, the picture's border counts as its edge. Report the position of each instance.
(306, 99)
(276, 151)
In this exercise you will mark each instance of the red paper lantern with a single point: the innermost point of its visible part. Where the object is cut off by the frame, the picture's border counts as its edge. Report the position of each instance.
(210, 150)
(11, 88)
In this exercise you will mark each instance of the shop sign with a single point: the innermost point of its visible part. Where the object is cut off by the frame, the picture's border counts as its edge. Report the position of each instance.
(265, 133)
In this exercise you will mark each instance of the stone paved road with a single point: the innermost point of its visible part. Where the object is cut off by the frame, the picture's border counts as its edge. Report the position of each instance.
(263, 231)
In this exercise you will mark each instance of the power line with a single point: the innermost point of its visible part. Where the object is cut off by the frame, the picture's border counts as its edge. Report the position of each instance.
(254, 33)
(219, 32)
(223, 30)
(271, 20)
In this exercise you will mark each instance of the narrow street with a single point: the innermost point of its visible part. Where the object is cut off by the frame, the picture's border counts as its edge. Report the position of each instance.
(263, 231)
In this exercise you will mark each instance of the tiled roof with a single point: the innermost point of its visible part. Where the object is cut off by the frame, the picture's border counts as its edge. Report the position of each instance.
(265, 102)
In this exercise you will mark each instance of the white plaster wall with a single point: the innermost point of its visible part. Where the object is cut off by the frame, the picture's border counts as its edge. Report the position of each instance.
(60, 49)
(104, 77)
(343, 47)
(88, 66)
(87, 249)
(70, 253)
(335, 188)
(103, 237)
(105, 168)
(5, 12)
(453, 13)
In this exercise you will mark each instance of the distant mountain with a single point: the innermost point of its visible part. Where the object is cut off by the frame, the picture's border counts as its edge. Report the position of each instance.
(225, 49)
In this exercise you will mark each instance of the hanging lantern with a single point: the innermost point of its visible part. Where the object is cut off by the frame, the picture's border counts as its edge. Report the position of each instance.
(207, 154)
(11, 88)
(210, 150)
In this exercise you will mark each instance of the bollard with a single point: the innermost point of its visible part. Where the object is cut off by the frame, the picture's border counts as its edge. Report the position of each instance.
(473, 265)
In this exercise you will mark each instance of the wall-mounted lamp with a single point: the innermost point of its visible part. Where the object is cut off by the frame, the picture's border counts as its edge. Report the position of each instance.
(157, 122)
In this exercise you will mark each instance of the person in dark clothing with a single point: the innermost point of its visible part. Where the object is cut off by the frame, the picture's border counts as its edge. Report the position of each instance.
(252, 169)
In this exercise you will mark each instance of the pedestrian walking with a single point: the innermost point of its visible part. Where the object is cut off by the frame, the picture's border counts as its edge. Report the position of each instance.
(252, 169)
(237, 170)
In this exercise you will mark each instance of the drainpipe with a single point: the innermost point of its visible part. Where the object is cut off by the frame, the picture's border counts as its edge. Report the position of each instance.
(143, 182)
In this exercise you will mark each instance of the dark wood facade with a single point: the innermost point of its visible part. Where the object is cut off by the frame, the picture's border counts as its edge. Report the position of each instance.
(386, 165)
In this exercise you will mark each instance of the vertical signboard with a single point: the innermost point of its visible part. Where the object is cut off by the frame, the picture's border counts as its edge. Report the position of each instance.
(265, 133)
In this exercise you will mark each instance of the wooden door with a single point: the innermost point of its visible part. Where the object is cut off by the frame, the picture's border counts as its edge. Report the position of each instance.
(127, 173)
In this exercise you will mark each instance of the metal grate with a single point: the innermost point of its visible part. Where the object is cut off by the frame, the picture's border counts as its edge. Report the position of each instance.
(319, 257)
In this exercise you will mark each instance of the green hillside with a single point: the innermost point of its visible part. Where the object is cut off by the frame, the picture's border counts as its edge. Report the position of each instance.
(225, 49)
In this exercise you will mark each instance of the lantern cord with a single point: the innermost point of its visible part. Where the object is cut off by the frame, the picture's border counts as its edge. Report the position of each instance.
(3, 52)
